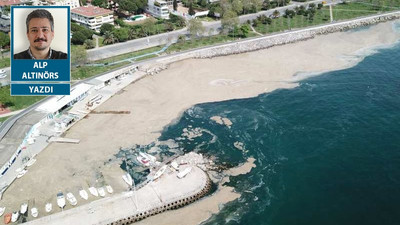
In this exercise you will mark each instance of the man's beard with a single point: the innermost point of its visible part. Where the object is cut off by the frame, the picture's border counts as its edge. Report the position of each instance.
(40, 48)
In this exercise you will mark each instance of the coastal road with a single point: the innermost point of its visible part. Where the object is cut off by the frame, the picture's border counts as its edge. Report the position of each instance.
(170, 37)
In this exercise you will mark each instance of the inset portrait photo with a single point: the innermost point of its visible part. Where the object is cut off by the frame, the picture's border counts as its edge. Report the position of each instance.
(40, 33)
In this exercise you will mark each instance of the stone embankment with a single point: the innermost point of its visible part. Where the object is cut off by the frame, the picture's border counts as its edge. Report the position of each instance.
(264, 42)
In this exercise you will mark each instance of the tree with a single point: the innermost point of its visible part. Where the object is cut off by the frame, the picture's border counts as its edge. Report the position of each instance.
(78, 55)
(252, 6)
(168, 26)
(106, 27)
(175, 5)
(237, 6)
(195, 28)
(78, 38)
(100, 3)
(229, 21)
(121, 34)
(128, 5)
(191, 10)
(276, 14)
(109, 38)
(4, 40)
(148, 27)
(177, 20)
(89, 44)
(203, 3)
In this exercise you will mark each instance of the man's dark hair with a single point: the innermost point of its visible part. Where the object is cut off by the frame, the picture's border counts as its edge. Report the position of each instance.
(40, 13)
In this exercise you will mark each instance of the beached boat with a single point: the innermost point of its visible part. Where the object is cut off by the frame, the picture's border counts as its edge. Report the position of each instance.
(34, 212)
(109, 189)
(22, 173)
(128, 179)
(83, 194)
(31, 162)
(93, 191)
(24, 208)
(48, 207)
(14, 217)
(60, 200)
(71, 199)
(101, 191)
(160, 172)
(184, 172)
(7, 218)
(2, 209)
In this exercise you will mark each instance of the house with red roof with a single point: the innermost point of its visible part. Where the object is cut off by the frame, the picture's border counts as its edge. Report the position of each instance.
(92, 17)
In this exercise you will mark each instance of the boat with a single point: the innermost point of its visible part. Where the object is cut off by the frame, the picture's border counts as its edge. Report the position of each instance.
(93, 191)
(22, 173)
(160, 172)
(48, 207)
(2, 209)
(109, 189)
(60, 200)
(31, 162)
(14, 217)
(83, 194)
(24, 208)
(128, 179)
(7, 218)
(184, 172)
(71, 199)
(145, 159)
(34, 212)
(101, 191)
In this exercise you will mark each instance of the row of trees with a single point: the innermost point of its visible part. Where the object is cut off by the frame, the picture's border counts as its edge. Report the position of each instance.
(131, 6)
(130, 32)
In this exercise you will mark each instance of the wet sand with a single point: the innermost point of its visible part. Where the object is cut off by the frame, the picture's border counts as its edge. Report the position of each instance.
(158, 100)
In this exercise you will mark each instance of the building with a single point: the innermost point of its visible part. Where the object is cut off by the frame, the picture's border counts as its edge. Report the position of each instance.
(4, 3)
(73, 3)
(158, 8)
(92, 17)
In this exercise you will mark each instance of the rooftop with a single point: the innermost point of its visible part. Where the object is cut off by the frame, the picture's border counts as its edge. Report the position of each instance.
(9, 2)
(90, 11)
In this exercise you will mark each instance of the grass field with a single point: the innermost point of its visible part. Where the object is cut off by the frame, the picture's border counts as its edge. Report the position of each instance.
(16, 102)
(4, 62)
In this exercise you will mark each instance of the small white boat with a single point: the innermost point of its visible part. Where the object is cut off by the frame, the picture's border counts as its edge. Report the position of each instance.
(14, 216)
(48, 207)
(31, 162)
(143, 160)
(184, 172)
(24, 208)
(101, 191)
(83, 194)
(109, 189)
(34, 212)
(128, 179)
(93, 191)
(22, 173)
(2, 210)
(160, 172)
(71, 199)
(60, 200)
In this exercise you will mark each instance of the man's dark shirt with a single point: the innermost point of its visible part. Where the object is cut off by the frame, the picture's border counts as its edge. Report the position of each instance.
(54, 55)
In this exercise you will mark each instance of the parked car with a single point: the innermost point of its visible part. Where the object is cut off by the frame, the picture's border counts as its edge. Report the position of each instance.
(2, 74)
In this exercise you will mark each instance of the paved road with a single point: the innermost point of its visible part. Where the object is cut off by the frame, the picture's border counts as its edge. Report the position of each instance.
(156, 40)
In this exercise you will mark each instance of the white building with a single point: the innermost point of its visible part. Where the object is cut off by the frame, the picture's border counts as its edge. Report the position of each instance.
(92, 16)
(72, 3)
(158, 8)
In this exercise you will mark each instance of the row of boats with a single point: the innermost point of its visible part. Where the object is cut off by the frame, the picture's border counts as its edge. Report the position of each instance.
(61, 202)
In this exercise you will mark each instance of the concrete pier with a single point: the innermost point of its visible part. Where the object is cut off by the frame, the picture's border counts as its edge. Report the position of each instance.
(166, 193)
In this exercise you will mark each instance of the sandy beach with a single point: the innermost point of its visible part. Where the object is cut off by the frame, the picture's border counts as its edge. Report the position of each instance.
(156, 101)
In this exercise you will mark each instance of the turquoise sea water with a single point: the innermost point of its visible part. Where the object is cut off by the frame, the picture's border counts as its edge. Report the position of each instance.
(327, 152)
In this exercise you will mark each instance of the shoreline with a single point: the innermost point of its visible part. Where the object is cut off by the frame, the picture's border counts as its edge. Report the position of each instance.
(175, 90)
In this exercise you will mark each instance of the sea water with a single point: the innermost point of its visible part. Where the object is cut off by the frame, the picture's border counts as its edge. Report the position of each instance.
(327, 151)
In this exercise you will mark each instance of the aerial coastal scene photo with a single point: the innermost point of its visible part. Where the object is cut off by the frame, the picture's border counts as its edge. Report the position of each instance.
(186, 112)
